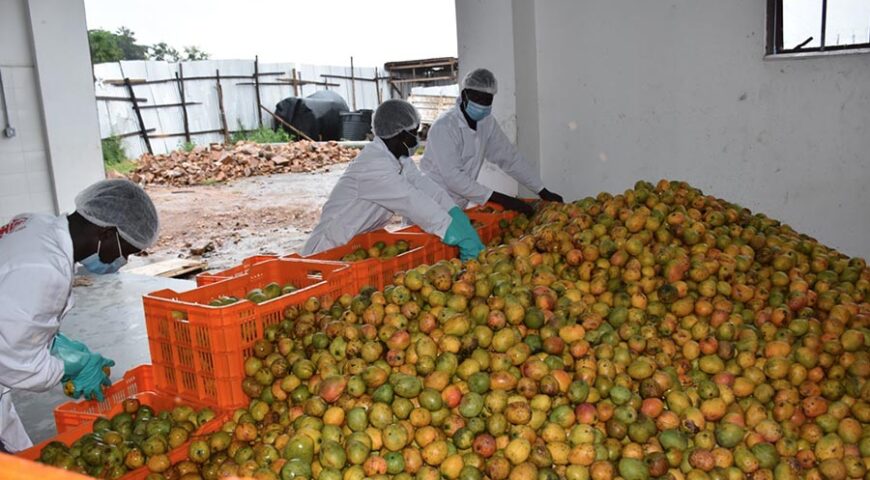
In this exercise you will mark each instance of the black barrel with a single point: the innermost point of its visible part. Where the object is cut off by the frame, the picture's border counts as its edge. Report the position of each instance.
(355, 125)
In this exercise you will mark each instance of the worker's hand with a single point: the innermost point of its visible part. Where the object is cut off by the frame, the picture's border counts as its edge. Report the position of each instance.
(462, 234)
(549, 196)
(92, 378)
(512, 203)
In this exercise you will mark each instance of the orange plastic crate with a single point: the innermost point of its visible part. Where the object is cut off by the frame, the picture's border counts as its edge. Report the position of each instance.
(207, 278)
(377, 272)
(137, 383)
(70, 436)
(18, 468)
(198, 351)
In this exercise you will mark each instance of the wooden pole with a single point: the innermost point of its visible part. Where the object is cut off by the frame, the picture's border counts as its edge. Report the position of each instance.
(257, 88)
(220, 94)
(142, 130)
(352, 84)
(180, 78)
(282, 122)
(377, 86)
(295, 84)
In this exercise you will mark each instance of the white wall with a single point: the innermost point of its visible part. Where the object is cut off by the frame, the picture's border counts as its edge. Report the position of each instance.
(45, 63)
(645, 90)
(485, 44)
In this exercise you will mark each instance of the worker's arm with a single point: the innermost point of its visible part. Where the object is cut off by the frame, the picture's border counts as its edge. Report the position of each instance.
(500, 151)
(428, 186)
(32, 298)
(395, 193)
(444, 150)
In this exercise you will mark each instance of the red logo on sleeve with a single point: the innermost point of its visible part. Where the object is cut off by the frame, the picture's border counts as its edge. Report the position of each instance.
(13, 226)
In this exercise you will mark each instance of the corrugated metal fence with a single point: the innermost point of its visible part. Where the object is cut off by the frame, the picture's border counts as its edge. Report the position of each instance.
(159, 98)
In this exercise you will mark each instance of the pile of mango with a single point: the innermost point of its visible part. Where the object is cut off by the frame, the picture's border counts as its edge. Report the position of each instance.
(658, 333)
(133, 438)
(378, 249)
(258, 295)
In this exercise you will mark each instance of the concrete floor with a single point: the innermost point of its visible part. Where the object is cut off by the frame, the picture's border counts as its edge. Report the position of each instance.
(109, 319)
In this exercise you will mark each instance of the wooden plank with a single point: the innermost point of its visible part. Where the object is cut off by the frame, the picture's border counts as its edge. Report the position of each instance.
(288, 81)
(182, 134)
(421, 79)
(352, 84)
(291, 127)
(116, 82)
(134, 134)
(220, 94)
(295, 84)
(180, 77)
(347, 77)
(119, 99)
(174, 267)
(257, 89)
(142, 130)
(168, 105)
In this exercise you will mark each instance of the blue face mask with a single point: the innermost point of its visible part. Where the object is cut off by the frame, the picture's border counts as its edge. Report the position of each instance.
(93, 263)
(476, 111)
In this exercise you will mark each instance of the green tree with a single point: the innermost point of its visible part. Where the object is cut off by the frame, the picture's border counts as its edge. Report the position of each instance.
(194, 53)
(127, 42)
(162, 51)
(104, 47)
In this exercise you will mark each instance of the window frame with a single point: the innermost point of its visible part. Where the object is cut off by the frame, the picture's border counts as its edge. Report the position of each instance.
(775, 45)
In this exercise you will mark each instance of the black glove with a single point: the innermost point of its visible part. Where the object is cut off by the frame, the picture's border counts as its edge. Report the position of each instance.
(512, 203)
(550, 196)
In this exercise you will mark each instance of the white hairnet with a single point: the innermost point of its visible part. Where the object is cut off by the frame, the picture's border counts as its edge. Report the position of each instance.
(482, 80)
(394, 116)
(123, 205)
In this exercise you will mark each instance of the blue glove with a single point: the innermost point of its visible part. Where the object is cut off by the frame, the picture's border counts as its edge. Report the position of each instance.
(90, 381)
(82, 366)
(73, 354)
(462, 234)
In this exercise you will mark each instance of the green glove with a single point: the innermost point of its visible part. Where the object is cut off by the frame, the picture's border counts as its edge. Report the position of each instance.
(462, 234)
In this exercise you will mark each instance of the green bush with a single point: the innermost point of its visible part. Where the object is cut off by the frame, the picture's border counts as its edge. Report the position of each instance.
(113, 151)
(187, 146)
(262, 135)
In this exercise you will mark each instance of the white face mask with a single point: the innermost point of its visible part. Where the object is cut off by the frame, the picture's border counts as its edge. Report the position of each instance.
(413, 147)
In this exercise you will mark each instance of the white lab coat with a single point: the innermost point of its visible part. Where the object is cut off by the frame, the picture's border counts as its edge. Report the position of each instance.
(455, 153)
(374, 187)
(36, 273)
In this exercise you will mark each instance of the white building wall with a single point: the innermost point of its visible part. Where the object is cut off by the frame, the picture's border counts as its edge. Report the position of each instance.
(644, 90)
(45, 65)
(483, 43)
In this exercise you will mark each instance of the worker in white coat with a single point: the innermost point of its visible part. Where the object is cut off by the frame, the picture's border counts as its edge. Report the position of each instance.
(383, 180)
(466, 135)
(38, 252)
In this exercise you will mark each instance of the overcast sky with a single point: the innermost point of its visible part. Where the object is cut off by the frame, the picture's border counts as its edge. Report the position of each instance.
(321, 32)
(328, 32)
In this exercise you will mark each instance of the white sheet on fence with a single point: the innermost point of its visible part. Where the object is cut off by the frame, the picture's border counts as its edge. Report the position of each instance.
(117, 117)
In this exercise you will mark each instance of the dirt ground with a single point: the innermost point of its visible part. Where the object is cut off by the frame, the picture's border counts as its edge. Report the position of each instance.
(226, 223)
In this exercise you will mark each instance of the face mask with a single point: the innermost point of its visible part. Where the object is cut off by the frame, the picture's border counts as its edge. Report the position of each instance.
(93, 263)
(413, 147)
(476, 111)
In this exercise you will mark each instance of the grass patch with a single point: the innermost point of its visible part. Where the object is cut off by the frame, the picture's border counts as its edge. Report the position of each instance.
(113, 151)
(124, 167)
(262, 135)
